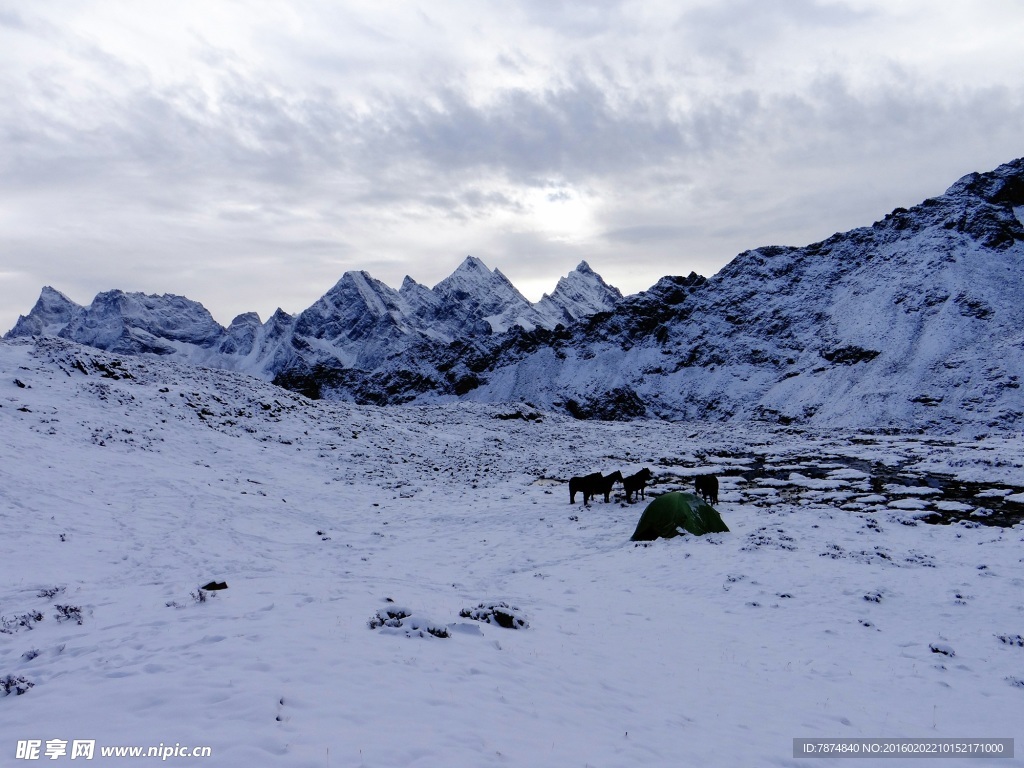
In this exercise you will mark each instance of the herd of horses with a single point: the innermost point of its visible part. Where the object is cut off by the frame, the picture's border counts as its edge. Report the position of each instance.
(635, 486)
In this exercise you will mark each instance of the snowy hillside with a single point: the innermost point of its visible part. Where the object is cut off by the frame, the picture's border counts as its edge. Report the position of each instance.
(913, 323)
(831, 609)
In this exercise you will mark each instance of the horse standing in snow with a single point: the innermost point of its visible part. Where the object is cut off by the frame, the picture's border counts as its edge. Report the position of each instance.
(605, 486)
(584, 485)
(592, 485)
(637, 483)
(707, 488)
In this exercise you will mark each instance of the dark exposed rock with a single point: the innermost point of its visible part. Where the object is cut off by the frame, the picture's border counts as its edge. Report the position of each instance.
(849, 355)
(500, 613)
(622, 404)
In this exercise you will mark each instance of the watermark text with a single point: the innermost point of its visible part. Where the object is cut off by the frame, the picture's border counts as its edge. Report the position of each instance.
(87, 749)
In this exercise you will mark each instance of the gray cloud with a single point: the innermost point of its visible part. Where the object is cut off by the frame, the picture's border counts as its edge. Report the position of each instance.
(647, 233)
(573, 131)
(578, 19)
(684, 138)
(12, 20)
(767, 20)
(254, 133)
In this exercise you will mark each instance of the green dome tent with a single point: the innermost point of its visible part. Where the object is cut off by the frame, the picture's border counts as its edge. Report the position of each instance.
(667, 514)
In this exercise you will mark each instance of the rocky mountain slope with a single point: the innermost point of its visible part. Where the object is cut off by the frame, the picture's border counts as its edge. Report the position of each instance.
(913, 322)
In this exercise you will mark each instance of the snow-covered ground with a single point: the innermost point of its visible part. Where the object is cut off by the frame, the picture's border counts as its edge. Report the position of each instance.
(830, 609)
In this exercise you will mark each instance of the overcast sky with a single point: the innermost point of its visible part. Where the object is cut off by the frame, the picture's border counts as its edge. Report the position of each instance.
(247, 154)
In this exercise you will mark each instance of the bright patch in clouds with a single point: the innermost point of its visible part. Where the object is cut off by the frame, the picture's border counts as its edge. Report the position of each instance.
(564, 215)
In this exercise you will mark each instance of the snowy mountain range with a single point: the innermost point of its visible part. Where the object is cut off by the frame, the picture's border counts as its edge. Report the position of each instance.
(914, 322)
(358, 323)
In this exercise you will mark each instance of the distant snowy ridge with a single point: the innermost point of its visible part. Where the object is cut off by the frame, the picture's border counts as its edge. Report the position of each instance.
(912, 323)
(358, 323)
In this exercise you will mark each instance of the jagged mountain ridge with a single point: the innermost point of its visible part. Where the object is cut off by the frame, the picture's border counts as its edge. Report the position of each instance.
(358, 323)
(913, 322)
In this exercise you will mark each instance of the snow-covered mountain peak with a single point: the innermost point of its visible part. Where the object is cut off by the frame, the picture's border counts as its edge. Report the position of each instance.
(579, 294)
(241, 335)
(246, 319)
(470, 266)
(410, 285)
(470, 273)
(354, 322)
(50, 298)
(52, 311)
(475, 293)
(1004, 184)
(474, 278)
(358, 286)
(585, 275)
(280, 318)
(133, 323)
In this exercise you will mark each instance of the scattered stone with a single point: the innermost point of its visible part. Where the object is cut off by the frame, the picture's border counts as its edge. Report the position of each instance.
(909, 504)
(772, 538)
(11, 624)
(400, 621)
(502, 614)
(16, 685)
(68, 613)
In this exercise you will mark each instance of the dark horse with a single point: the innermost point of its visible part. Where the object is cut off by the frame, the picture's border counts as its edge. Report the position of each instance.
(707, 488)
(593, 484)
(584, 485)
(637, 483)
(605, 486)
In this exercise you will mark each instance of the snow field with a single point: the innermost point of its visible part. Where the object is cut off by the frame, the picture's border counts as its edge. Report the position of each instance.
(807, 620)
